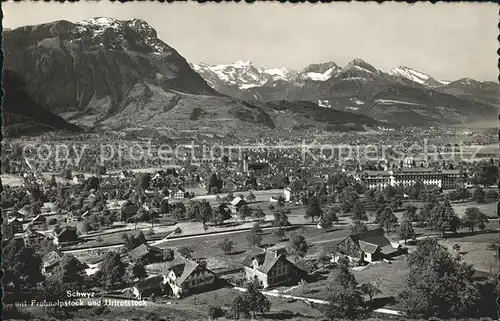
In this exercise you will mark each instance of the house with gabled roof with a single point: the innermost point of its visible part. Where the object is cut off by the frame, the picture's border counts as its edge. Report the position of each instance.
(185, 276)
(368, 246)
(236, 203)
(271, 267)
(33, 238)
(50, 261)
(65, 235)
(146, 254)
(38, 222)
(152, 285)
(15, 224)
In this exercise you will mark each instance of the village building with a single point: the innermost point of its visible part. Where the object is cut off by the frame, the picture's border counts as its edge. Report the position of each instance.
(177, 193)
(271, 267)
(15, 224)
(185, 276)
(72, 218)
(33, 238)
(408, 176)
(38, 222)
(369, 246)
(146, 254)
(65, 235)
(50, 261)
(236, 203)
(145, 288)
(293, 194)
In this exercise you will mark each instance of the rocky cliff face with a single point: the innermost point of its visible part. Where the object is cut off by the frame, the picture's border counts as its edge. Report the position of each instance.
(93, 66)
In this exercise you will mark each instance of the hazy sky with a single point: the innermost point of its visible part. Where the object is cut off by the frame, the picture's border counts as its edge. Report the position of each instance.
(447, 40)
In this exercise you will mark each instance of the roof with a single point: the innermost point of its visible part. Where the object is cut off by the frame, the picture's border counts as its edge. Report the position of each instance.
(38, 218)
(67, 229)
(182, 268)
(236, 201)
(377, 173)
(150, 282)
(142, 250)
(13, 219)
(51, 259)
(266, 258)
(372, 240)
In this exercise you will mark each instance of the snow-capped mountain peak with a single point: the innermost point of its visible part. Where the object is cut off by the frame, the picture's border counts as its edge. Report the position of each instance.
(416, 76)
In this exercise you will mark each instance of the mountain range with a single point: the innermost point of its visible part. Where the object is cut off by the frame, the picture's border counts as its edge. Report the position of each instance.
(403, 95)
(107, 74)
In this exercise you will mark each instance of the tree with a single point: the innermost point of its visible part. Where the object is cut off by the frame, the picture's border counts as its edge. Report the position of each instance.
(358, 227)
(298, 245)
(443, 218)
(405, 230)
(177, 230)
(215, 312)
(251, 197)
(213, 183)
(370, 290)
(145, 181)
(281, 201)
(112, 271)
(479, 196)
(410, 212)
(386, 219)
(186, 251)
(205, 212)
(256, 301)
(438, 284)
(271, 207)
(138, 271)
(279, 234)
(345, 299)
(258, 213)
(92, 183)
(240, 307)
(22, 266)
(474, 218)
(347, 199)
(226, 245)
(329, 217)
(491, 195)
(358, 211)
(281, 218)
(254, 237)
(168, 254)
(313, 209)
(244, 212)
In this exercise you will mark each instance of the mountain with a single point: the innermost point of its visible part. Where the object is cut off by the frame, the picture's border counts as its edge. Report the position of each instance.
(108, 74)
(403, 95)
(416, 76)
(486, 92)
(22, 115)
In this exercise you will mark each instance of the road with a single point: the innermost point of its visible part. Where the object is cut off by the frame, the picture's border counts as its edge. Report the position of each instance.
(317, 301)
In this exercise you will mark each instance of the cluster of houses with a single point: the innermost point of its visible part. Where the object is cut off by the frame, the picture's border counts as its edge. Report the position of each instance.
(271, 266)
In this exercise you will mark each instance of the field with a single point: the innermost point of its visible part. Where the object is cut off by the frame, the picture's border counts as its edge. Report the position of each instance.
(490, 209)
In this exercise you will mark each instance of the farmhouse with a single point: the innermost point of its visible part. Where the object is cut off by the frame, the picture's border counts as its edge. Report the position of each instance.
(270, 267)
(368, 246)
(38, 222)
(177, 193)
(50, 261)
(152, 285)
(185, 276)
(15, 224)
(146, 254)
(32, 238)
(236, 203)
(65, 235)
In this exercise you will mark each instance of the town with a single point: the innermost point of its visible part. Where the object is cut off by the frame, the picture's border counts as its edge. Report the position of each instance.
(257, 233)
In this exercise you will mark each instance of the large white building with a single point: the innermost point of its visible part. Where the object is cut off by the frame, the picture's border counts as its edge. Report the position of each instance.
(446, 179)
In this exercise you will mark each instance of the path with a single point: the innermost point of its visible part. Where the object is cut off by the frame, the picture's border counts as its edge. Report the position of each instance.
(318, 301)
